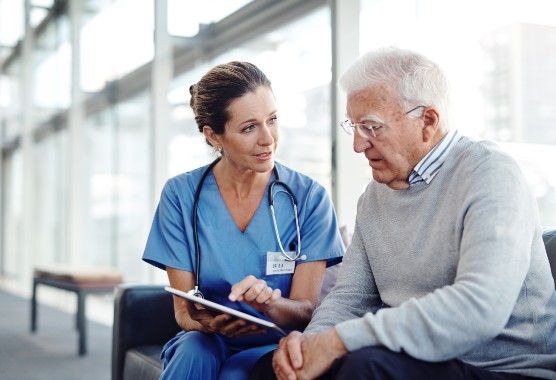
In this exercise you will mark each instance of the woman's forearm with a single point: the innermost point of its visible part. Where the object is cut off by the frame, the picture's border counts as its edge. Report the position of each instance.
(292, 313)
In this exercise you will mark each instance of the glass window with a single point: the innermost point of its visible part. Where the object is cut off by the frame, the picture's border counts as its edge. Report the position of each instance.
(10, 103)
(38, 14)
(116, 39)
(50, 211)
(12, 220)
(42, 3)
(101, 214)
(134, 184)
(502, 71)
(185, 20)
(11, 22)
(187, 148)
(52, 70)
(119, 190)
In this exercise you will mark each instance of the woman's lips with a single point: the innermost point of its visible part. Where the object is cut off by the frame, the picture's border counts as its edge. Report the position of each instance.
(264, 156)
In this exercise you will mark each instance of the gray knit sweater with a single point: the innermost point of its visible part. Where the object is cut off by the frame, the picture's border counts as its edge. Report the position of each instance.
(453, 269)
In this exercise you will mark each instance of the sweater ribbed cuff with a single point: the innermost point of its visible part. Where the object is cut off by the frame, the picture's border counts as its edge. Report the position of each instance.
(355, 334)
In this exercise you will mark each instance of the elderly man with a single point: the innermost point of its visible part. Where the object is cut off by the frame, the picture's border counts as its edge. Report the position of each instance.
(446, 276)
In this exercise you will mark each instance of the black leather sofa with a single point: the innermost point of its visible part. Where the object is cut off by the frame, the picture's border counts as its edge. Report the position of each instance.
(144, 321)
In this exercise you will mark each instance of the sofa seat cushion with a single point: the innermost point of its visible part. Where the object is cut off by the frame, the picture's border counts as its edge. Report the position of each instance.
(143, 363)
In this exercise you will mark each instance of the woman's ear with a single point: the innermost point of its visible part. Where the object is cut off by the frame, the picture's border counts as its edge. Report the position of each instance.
(212, 137)
(431, 118)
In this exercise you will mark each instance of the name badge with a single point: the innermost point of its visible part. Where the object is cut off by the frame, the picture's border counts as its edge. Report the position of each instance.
(276, 263)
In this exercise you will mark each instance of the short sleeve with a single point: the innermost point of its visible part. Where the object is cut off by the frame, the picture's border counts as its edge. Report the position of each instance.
(167, 242)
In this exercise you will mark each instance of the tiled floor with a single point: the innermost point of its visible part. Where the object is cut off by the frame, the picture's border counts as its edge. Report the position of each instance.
(51, 352)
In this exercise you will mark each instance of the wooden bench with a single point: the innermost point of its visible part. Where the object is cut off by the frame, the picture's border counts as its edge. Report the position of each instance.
(81, 281)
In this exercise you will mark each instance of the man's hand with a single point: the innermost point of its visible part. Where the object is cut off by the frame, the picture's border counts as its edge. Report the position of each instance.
(287, 357)
(301, 356)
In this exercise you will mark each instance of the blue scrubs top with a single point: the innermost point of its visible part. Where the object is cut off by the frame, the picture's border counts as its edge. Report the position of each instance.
(229, 255)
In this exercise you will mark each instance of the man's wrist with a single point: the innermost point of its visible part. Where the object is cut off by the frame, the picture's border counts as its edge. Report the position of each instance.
(332, 339)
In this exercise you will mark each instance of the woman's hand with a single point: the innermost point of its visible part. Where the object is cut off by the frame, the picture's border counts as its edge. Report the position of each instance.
(293, 312)
(251, 291)
(193, 318)
(223, 324)
(255, 293)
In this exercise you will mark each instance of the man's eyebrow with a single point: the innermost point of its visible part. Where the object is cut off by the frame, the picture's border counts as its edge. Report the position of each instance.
(370, 117)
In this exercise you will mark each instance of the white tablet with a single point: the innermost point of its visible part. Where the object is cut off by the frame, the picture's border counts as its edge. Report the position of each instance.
(225, 309)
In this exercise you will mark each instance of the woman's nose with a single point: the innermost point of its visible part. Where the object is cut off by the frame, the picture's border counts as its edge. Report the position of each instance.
(266, 137)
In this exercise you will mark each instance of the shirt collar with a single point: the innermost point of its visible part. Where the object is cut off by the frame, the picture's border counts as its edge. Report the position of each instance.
(428, 167)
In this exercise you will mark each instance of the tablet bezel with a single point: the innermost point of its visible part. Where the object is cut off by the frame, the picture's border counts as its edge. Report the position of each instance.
(225, 309)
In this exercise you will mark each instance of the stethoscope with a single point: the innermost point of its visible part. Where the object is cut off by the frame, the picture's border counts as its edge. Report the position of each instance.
(284, 256)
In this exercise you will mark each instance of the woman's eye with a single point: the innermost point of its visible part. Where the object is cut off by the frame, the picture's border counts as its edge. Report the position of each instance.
(273, 119)
(249, 128)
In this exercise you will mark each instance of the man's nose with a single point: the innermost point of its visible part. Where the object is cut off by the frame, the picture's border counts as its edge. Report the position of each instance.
(360, 143)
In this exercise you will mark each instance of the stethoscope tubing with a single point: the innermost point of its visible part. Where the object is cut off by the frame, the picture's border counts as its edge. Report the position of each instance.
(289, 192)
(196, 290)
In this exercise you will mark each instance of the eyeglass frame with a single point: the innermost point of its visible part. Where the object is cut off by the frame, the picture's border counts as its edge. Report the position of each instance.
(364, 129)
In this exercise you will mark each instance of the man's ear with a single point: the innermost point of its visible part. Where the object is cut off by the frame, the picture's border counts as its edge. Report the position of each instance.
(431, 118)
(212, 137)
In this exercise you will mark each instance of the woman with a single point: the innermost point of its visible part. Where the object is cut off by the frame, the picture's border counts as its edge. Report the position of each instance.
(242, 261)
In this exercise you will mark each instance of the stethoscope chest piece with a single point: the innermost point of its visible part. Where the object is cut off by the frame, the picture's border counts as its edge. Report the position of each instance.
(196, 292)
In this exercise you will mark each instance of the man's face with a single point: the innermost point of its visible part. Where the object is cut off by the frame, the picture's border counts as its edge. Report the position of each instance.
(394, 152)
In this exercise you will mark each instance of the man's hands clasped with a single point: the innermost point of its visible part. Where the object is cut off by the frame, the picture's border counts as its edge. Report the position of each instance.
(300, 356)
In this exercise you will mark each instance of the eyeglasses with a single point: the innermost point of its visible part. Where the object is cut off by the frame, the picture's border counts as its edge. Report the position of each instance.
(371, 129)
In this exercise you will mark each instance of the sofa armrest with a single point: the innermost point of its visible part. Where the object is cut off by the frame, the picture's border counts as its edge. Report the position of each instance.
(143, 315)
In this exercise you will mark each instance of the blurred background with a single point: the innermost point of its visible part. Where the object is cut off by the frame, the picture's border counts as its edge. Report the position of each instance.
(95, 117)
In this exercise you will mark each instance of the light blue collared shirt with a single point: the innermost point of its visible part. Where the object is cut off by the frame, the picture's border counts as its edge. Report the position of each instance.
(428, 167)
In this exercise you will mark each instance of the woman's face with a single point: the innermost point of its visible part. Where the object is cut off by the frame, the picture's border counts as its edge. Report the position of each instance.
(251, 133)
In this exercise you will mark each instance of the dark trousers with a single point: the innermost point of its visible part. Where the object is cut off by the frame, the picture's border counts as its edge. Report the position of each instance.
(379, 363)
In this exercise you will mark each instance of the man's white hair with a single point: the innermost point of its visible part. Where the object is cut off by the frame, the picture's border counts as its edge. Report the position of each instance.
(413, 77)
